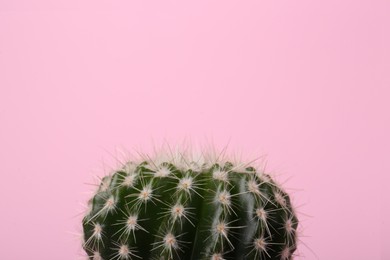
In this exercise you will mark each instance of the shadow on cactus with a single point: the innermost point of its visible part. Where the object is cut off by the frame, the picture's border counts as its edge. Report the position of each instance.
(184, 208)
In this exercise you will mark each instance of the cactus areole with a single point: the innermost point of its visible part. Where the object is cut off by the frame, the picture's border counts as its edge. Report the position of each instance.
(214, 210)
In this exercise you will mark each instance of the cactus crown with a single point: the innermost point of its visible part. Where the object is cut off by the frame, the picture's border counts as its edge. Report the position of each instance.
(186, 207)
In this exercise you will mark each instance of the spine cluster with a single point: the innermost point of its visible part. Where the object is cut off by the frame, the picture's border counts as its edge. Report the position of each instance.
(161, 210)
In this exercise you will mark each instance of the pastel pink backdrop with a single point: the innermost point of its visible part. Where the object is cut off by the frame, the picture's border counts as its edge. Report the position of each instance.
(304, 82)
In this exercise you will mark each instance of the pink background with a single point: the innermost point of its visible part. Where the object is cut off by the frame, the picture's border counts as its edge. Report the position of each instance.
(304, 82)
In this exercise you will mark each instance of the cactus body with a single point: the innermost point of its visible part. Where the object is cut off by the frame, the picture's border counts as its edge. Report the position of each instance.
(214, 211)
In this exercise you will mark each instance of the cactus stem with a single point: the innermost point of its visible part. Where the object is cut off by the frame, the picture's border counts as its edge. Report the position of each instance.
(178, 207)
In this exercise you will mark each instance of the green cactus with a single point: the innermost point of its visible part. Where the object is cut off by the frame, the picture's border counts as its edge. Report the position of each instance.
(189, 210)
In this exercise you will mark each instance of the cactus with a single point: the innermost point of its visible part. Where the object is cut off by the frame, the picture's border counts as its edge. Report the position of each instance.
(179, 208)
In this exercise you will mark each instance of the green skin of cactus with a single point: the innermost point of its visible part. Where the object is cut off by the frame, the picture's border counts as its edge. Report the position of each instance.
(214, 213)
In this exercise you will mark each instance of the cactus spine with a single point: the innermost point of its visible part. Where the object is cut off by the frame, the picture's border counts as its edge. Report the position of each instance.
(191, 210)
